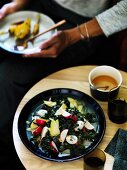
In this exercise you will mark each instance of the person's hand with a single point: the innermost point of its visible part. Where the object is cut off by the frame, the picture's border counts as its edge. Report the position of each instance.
(52, 47)
(8, 9)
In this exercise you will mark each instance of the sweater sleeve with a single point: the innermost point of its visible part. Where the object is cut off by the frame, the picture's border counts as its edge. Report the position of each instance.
(114, 19)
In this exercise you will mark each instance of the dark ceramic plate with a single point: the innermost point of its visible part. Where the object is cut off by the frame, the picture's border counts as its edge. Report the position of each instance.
(36, 101)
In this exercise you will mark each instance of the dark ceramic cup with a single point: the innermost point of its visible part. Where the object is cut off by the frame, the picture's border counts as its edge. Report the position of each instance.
(103, 79)
(117, 106)
(95, 160)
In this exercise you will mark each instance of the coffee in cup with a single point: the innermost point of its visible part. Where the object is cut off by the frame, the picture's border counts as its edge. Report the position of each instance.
(103, 79)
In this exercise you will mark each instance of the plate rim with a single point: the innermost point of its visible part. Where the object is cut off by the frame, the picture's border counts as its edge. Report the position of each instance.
(25, 12)
(69, 159)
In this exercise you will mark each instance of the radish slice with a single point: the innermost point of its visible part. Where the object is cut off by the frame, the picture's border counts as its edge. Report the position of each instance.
(71, 139)
(40, 122)
(80, 125)
(53, 145)
(44, 131)
(88, 125)
(37, 131)
(63, 135)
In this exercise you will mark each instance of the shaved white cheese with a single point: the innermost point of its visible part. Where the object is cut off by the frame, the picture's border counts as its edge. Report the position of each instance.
(80, 125)
(42, 112)
(35, 117)
(72, 139)
(29, 129)
(27, 122)
(63, 154)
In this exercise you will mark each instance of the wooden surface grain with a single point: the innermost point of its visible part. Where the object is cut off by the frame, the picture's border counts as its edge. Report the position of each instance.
(75, 78)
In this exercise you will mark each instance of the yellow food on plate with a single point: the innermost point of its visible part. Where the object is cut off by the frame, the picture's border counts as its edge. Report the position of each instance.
(36, 26)
(20, 31)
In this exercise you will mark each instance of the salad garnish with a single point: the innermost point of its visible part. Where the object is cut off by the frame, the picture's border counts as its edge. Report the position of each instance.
(62, 126)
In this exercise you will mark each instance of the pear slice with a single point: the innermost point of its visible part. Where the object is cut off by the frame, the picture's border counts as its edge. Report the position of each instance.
(54, 127)
(73, 102)
(49, 103)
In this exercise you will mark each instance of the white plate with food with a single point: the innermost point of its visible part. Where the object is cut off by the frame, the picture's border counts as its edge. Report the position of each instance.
(19, 26)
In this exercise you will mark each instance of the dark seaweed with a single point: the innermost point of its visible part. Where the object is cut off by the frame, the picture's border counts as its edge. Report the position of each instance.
(65, 123)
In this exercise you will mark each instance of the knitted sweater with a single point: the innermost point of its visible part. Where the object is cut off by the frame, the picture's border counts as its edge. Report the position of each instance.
(111, 20)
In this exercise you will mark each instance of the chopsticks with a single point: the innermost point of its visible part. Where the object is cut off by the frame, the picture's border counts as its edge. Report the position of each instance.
(48, 29)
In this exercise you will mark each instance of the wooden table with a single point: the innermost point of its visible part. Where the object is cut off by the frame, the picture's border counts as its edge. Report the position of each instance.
(76, 78)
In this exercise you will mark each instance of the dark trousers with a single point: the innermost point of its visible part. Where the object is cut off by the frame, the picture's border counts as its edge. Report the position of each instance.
(18, 75)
